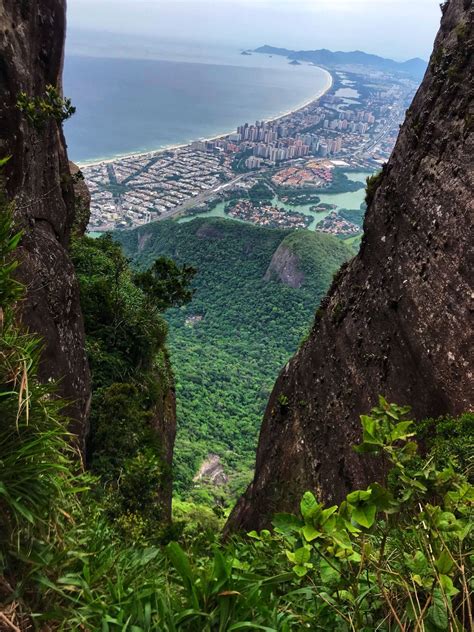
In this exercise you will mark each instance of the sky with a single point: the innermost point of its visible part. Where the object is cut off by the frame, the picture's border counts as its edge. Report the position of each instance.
(399, 29)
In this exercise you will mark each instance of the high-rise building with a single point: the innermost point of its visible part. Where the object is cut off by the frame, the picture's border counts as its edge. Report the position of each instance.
(253, 163)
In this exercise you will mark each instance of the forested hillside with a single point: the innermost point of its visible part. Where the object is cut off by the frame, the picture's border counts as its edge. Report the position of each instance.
(256, 291)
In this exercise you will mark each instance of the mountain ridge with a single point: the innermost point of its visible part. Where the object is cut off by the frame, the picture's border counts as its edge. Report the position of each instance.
(414, 67)
(394, 320)
(256, 290)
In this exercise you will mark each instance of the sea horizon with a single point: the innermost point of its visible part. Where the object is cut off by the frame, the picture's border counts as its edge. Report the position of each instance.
(172, 147)
(175, 103)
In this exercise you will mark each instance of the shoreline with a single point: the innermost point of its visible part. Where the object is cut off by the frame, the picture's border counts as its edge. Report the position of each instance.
(154, 152)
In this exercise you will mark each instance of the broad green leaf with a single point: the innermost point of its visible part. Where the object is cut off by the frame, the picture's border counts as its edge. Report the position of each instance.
(358, 496)
(345, 595)
(445, 562)
(327, 513)
(247, 625)
(447, 521)
(368, 426)
(276, 579)
(381, 497)
(309, 506)
(367, 447)
(222, 568)
(300, 570)
(291, 556)
(437, 613)
(286, 523)
(310, 533)
(418, 563)
(180, 561)
(364, 515)
(417, 579)
(448, 586)
(302, 555)
(329, 574)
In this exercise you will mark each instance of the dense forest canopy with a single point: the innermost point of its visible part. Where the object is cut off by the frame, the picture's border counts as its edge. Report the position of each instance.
(240, 328)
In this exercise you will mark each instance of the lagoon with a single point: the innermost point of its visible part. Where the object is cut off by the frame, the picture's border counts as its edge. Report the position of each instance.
(351, 200)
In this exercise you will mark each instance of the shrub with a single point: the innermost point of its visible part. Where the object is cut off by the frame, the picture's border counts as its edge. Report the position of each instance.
(51, 106)
(36, 475)
(389, 557)
(373, 183)
(131, 373)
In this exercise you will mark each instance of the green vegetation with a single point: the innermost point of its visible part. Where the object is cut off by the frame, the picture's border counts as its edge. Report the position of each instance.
(260, 192)
(39, 110)
(310, 194)
(450, 440)
(298, 197)
(131, 374)
(396, 556)
(238, 164)
(373, 183)
(245, 329)
(356, 216)
(341, 183)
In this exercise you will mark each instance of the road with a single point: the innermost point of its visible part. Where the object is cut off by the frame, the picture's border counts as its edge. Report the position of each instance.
(202, 197)
(391, 123)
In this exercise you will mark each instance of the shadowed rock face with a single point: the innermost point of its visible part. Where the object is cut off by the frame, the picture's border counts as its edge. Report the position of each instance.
(395, 321)
(284, 267)
(82, 201)
(38, 180)
(164, 424)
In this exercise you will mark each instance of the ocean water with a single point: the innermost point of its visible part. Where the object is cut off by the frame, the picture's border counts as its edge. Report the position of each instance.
(127, 105)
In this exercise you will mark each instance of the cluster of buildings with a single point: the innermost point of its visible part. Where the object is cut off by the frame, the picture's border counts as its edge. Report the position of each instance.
(356, 124)
(334, 126)
(267, 215)
(328, 129)
(138, 189)
(335, 224)
(289, 148)
(313, 173)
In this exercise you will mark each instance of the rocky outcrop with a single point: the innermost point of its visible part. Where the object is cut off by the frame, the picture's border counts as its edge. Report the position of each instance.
(395, 321)
(82, 201)
(39, 182)
(164, 424)
(212, 471)
(284, 267)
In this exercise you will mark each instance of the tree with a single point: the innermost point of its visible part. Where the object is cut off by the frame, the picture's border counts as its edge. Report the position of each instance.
(165, 284)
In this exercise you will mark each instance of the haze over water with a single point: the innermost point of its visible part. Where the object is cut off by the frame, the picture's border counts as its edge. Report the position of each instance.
(180, 93)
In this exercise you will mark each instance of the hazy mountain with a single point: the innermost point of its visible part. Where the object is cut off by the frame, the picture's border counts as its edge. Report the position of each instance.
(415, 68)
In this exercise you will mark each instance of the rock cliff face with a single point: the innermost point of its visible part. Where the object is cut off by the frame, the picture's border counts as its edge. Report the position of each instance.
(284, 267)
(395, 321)
(164, 424)
(39, 182)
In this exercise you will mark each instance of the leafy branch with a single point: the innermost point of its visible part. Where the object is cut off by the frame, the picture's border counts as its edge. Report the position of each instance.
(38, 110)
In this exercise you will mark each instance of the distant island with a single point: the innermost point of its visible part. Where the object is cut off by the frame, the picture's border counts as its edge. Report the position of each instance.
(245, 52)
(295, 63)
(414, 68)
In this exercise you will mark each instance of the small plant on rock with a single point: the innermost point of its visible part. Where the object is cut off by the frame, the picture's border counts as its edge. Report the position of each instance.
(51, 106)
(390, 557)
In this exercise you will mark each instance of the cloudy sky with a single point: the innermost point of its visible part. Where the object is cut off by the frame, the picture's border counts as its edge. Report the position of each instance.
(397, 28)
